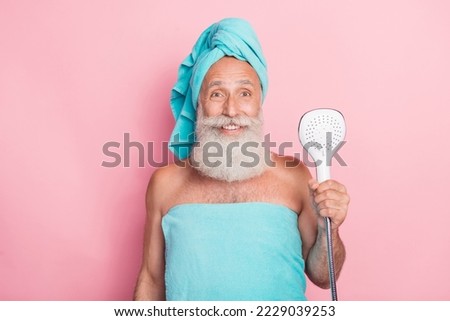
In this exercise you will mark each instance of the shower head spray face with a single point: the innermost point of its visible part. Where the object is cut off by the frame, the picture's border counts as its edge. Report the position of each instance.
(321, 131)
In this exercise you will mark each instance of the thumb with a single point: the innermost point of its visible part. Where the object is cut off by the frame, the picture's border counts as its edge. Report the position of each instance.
(313, 184)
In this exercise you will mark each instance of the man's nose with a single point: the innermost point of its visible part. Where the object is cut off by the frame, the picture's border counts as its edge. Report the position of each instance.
(230, 108)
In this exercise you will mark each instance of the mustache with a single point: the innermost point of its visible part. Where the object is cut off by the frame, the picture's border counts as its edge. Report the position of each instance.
(223, 120)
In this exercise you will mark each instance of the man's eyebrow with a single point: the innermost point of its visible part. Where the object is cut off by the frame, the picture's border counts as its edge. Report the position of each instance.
(246, 82)
(215, 83)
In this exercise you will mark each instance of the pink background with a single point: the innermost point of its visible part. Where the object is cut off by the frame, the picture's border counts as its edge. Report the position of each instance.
(75, 75)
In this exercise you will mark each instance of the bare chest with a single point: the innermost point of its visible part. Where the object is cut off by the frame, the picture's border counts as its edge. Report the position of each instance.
(261, 189)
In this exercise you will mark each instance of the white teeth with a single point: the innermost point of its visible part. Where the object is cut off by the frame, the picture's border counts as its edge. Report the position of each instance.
(231, 127)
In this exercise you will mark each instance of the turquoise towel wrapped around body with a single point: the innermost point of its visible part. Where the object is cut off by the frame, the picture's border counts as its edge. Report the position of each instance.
(233, 251)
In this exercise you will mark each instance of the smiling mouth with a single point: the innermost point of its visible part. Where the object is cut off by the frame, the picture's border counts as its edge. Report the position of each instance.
(231, 127)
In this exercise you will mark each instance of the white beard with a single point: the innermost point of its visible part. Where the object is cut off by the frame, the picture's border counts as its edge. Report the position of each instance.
(229, 158)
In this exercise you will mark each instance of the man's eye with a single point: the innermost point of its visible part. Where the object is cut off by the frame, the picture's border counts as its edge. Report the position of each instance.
(246, 94)
(216, 94)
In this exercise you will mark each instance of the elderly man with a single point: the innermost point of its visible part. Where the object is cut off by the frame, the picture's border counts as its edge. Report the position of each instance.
(231, 220)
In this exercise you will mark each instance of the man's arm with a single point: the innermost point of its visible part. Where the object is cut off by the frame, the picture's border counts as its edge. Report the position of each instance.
(328, 199)
(150, 284)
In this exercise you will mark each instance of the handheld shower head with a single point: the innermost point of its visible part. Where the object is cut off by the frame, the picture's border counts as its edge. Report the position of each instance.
(321, 132)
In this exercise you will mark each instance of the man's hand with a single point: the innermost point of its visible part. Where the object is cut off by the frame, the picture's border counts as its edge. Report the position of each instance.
(330, 199)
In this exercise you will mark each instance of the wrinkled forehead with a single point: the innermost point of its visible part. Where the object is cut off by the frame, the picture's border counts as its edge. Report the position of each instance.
(230, 70)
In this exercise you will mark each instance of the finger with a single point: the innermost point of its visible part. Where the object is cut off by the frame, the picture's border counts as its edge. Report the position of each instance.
(331, 212)
(313, 184)
(332, 205)
(331, 195)
(331, 184)
(336, 218)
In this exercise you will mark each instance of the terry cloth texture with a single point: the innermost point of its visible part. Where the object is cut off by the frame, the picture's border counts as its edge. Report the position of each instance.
(233, 251)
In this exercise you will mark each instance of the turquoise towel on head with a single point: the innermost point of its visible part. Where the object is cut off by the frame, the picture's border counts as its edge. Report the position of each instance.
(228, 37)
(233, 251)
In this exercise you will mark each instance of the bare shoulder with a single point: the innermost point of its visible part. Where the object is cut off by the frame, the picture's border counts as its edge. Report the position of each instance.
(165, 176)
(292, 178)
(290, 168)
(163, 184)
